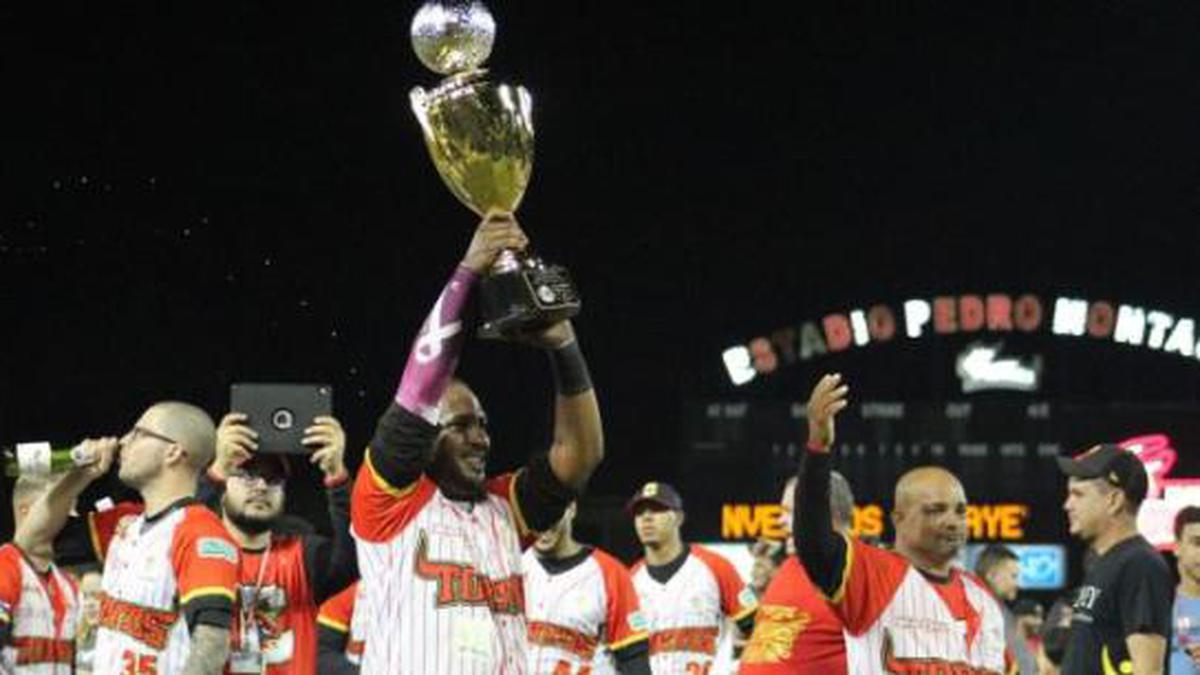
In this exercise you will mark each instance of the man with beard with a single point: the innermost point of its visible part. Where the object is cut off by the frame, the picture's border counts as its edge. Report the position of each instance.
(907, 611)
(170, 572)
(582, 608)
(439, 544)
(284, 578)
(1121, 617)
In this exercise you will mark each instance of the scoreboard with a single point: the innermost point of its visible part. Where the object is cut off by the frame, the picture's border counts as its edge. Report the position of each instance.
(738, 453)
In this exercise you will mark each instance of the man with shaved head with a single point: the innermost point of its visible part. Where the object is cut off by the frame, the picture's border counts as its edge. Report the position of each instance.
(170, 567)
(909, 610)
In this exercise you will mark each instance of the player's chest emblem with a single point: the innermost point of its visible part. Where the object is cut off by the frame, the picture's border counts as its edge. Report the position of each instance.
(775, 631)
(461, 584)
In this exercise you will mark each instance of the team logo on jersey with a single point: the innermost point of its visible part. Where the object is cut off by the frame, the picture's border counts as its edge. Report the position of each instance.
(776, 628)
(637, 621)
(270, 603)
(462, 584)
(895, 665)
(217, 549)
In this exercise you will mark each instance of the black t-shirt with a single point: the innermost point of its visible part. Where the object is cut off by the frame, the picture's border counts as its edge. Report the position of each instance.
(1127, 591)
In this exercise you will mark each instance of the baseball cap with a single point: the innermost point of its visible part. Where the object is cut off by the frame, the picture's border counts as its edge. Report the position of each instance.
(657, 493)
(272, 467)
(1116, 465)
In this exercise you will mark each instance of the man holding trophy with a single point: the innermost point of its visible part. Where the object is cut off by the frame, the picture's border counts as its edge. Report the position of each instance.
(439, 543)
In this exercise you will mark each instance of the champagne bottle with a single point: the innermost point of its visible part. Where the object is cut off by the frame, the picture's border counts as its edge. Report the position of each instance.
(41, 459)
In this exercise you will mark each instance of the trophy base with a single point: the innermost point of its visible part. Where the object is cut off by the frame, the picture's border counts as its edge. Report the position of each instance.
(530, 297)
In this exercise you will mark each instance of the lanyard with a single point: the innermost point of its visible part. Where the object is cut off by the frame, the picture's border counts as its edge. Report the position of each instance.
(247, 610)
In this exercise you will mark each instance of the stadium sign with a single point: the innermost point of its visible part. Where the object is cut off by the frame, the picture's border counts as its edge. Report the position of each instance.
(971, 314)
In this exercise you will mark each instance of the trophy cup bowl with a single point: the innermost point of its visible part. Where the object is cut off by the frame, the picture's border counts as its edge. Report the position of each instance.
(480, 137)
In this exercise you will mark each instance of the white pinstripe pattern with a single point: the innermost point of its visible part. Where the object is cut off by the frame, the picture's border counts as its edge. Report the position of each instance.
(918, 625)
(407, 631)
(34, 617)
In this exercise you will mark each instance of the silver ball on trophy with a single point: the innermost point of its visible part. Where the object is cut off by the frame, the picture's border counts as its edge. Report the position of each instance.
(453, 36)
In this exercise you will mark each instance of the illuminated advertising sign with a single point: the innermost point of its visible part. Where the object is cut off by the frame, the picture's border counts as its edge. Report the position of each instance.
(996, 313)
(988, 522)
(1166, 495)
(1043, 566)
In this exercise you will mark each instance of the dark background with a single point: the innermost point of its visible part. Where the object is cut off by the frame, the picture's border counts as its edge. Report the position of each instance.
(198, 195)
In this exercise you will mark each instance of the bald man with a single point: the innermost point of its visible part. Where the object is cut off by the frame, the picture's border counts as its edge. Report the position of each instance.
(909, 610)
(170, 567)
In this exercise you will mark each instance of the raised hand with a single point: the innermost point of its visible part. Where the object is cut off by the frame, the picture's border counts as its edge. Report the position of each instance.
(236, 442)
(327, 436)
(828, 398)
(496, 232)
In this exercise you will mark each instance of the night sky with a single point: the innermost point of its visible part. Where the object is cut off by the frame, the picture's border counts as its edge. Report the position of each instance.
(199, 195)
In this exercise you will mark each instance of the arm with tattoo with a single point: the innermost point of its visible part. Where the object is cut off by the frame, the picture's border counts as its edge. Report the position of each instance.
(210, 651)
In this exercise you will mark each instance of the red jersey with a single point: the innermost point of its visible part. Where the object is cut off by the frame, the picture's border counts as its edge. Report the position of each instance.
(275, 600)
(40, 611)
(795, 631)
(337, 613)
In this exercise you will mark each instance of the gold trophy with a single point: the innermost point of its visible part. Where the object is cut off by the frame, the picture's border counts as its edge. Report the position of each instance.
(480, 137)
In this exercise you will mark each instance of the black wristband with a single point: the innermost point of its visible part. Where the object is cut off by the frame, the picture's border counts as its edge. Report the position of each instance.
(570, 370)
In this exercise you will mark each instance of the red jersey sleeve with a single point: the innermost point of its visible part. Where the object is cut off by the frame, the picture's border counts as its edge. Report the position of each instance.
(379, 510)
(624, 623)
(10, 582)
(205, 558)
(102, 525)
(737, 599)
(505, 487)
(870, 580)
(337, 611)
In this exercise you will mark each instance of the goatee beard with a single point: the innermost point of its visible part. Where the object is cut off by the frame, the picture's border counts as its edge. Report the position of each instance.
(251, 525)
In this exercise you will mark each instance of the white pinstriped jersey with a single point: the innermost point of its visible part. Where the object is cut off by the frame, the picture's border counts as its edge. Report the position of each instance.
(151, 570)
(688, 615)
(443, 580)
(43, 613)
(897, 621)
(578, 617)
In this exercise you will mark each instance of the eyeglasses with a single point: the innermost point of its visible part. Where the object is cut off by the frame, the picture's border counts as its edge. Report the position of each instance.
(143, 431)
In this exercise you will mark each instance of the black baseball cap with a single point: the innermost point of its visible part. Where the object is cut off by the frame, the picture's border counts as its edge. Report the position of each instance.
(656, 493)
(1112, 463)
(272, 467)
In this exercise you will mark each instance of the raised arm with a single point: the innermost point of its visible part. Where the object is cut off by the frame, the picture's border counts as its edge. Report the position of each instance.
(48, 515)
(331, 562)
(578, 444)
(821, 550)
(403, 443)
